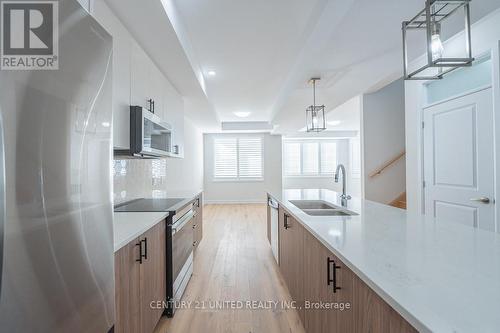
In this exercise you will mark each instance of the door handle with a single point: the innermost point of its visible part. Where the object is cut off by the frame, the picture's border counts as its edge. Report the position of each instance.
(285, 221)
(484, 200)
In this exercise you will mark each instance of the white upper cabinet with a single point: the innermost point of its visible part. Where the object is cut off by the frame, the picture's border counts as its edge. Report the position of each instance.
(140, 80)
(158, 91)
(175, 116)
(136, 79)
(122, 43)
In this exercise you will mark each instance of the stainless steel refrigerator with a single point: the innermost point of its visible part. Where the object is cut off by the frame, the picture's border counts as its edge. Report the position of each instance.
(56, 226)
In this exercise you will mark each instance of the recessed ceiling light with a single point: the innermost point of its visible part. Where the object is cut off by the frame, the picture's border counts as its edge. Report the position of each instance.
(334, 122)
(212, 73)
(242, 114)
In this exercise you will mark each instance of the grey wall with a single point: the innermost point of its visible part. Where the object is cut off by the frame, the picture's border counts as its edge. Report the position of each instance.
(383, 138)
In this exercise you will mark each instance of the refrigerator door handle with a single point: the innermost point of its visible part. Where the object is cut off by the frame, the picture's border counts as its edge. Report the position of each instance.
(2, 198)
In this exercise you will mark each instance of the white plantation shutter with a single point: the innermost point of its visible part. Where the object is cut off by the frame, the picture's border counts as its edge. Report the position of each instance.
(309, 157)
(250, 157)
(226, 158)
(291, 158)
(238, 158)
(310, 162)
(328, 157)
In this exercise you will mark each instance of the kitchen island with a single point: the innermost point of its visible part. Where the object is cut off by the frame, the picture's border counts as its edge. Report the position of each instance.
(440, 276)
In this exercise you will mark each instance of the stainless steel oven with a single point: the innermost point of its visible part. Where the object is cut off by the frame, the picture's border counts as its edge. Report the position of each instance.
(149, 135)
(179, 255)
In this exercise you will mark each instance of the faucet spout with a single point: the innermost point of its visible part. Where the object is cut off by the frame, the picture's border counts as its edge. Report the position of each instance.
(344, 196)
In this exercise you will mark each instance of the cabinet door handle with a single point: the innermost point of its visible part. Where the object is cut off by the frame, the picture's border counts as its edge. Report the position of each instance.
(194, 243)
(332, 278)
(285, 221)
(145, 248)
(140, 252)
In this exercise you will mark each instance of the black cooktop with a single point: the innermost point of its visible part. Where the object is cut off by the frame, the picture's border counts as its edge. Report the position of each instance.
(148, 205)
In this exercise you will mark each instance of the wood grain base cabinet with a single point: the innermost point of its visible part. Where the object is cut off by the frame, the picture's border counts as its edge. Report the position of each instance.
(329, 281)
(140, 279)
(198, 222)
(127, 305)
(291, 249)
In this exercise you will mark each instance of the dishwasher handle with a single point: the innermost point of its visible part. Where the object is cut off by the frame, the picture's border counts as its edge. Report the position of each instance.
(272, 203)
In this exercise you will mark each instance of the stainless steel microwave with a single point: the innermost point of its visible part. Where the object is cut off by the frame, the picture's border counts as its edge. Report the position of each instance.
(149, 135)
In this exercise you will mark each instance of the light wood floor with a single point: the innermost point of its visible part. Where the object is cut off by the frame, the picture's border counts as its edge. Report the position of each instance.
(234, 262)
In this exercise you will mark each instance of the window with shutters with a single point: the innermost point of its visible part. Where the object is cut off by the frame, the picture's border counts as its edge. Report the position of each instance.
(309, 157)
(238, 158)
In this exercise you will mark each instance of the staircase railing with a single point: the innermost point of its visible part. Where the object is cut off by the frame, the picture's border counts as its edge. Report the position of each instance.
(387, 164)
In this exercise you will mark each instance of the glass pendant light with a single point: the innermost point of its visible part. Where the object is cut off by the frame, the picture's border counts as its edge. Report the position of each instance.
(431, 20)
(315, 114)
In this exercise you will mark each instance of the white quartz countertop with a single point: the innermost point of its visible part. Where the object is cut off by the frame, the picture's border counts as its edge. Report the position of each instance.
(127, 226)
(441, 276)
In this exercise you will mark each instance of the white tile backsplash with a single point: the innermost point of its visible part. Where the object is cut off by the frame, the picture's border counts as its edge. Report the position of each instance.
(139, 178)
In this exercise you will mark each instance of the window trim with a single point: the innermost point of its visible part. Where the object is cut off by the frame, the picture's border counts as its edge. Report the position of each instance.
(238, 179)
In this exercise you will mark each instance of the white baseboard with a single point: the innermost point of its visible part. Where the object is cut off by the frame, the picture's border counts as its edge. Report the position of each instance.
(232, 202)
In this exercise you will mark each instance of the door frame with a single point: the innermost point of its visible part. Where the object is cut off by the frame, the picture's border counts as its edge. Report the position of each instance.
(494, 53)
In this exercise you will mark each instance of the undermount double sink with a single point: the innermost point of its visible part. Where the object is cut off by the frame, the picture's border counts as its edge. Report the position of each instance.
(321, 208)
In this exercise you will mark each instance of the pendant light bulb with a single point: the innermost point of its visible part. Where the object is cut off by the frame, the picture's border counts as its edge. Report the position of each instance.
(315, 120)
(436, 43)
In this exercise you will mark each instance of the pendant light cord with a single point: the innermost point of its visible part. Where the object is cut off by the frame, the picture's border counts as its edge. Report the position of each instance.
(314, 94)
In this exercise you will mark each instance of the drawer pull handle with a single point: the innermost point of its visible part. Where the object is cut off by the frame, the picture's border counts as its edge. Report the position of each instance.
(332, 277)
(140, 252)
(145, 248)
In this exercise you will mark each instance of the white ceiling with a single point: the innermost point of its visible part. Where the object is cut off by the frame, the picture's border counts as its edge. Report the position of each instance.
(264, 51)
(252, 46)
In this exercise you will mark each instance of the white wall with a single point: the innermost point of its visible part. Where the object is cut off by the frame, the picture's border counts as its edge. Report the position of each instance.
(243, 192)
(383, 137)
(485, 38)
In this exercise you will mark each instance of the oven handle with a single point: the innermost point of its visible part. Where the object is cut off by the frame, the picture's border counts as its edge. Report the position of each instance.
(182, 221)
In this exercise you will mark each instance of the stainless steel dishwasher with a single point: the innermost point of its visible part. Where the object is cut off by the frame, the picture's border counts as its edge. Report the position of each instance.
(273, 204)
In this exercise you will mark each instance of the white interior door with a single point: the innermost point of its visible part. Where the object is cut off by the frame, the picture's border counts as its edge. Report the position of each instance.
(459, 160)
